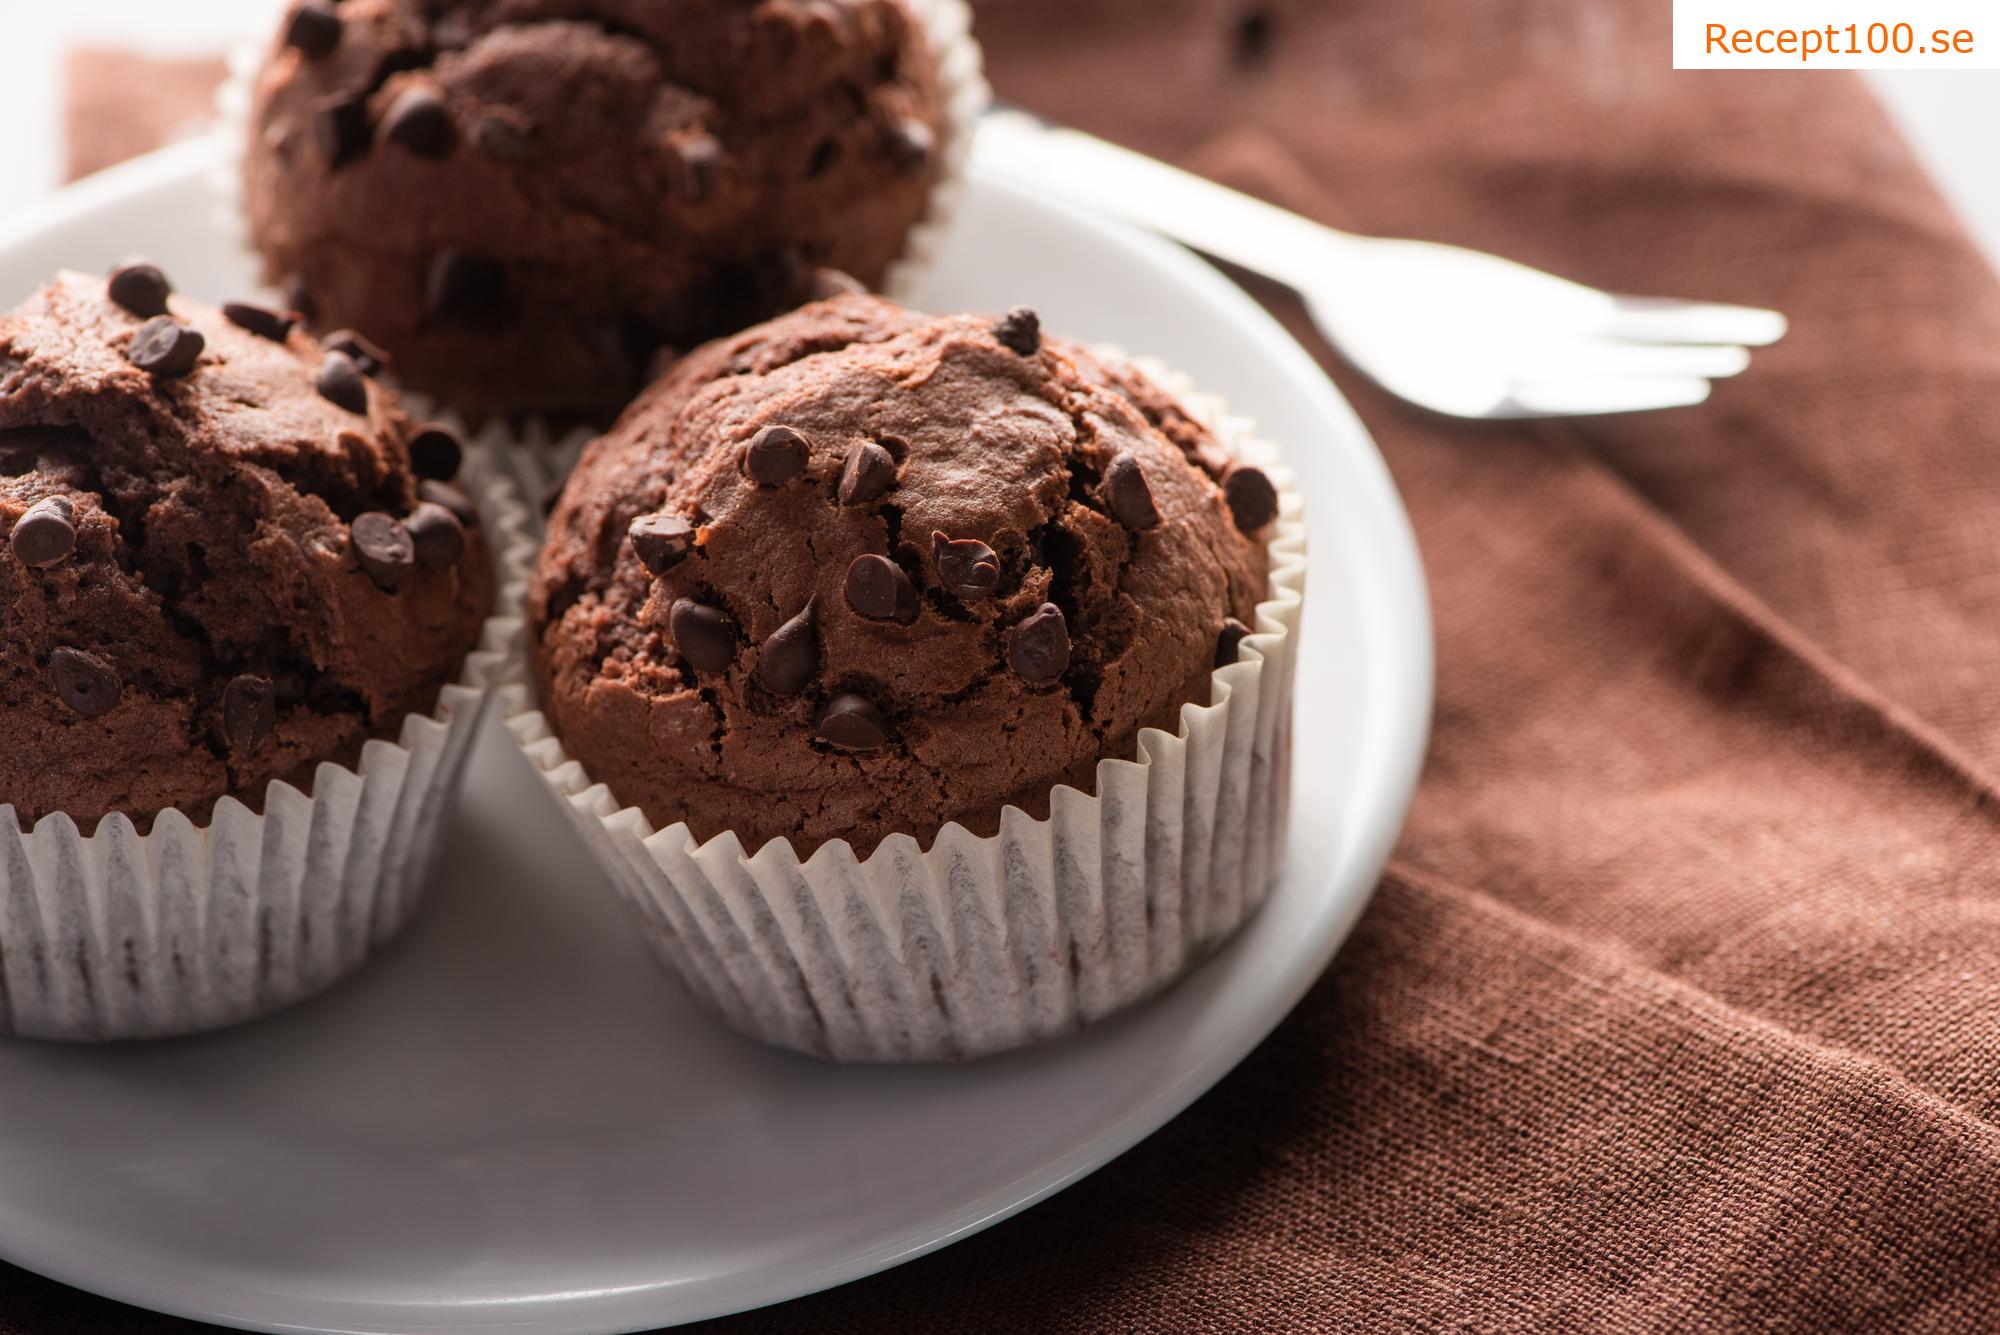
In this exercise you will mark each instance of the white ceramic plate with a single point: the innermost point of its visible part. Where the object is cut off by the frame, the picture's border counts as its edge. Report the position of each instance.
(515, 1121)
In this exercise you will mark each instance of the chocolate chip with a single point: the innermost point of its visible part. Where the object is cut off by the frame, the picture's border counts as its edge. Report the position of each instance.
(697, 167)
(870, 470)
(45, 534)
(966, 566)
(259, 320)
(249, 710)
(852, 724)
(1250, 35)
(451, 498)
(1130, 495)
(829, 283)
(85, 682)
(775, 456)
(340, 126)
(165, 348)
(912, 144)
(1253, 501)
(313, 30)
(1020, 331)
(383, 547)
(705, 635)
(341, 383)
(464, 286)
(366, 355)
(139, 287)
(789, 658)
(418, 122)
(661, 541)
(436, 535)
(878, 589)
(299, 297)
(1231, 639)
(436, 452)
(502, 140)
(1038, 650)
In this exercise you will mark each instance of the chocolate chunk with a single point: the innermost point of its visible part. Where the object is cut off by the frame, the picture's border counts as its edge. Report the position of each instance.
(366, 355)
(85, 682)
(139, 287)
(878, 589)
(249, 710)
(341, 383)
(299, 297)
(1020, 331)
(1130, 495)
(789, 658)
(829, 283)
(313, 30)
(1229, 641)
(775, 456)
(436, 452)
(661, 541)
(1253, 501)
(1038, 650)
(464, 286)
(383, 547)
(966, 566)
(340, 126)
(418, 122)
(436, 535)
(870, 470)
(451, 498)
(259, 320)
(45, 534)
(911, 144)
(705, 635)
(165, 348)
(697, 167)
(852, 724)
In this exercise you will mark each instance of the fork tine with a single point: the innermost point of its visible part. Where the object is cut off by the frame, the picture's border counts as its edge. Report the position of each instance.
(1665, 320)
(1577, 398)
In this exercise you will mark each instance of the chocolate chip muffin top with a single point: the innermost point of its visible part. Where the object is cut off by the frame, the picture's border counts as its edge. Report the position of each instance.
(860, 571)
(220, 567)
(524, 199)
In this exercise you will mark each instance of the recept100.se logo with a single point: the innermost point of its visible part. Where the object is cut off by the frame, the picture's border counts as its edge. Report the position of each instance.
(1837, 34)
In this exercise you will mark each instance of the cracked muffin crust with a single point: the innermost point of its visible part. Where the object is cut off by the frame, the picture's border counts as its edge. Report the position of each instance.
(220, 566)
(524, 199)
(860, 571)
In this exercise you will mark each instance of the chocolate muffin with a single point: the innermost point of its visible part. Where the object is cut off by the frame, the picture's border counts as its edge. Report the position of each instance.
(221, 566)
(524, 200)
(861, 571)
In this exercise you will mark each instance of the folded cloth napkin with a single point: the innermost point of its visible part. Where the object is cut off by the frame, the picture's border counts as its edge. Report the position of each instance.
(1679, 1008)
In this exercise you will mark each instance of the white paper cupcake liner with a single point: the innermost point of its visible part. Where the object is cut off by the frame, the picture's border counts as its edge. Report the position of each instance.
(121, 935)
(983, 944)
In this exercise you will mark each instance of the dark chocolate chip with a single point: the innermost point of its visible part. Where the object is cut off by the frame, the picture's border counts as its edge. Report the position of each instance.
(697, 167)
(259, 320)
(661, 541)
(383, 547)
(829, 283)
(705, 635)
(366, 355)
(1250, 35)
(313, 30)
(912, 144)
(1229, 641)
(299, 297)
(966, 566)
(139, 287)
(341, 383)
(340, 126)
(775, 456)
(436, 452)
(1253, 501)
(789, 659)
(464, 286)
(1038, 650)
(878, 589)
(870, 470)
(165, 348)
(418, 122)
(436, 535)
(502, 140)
(1130, 495)
(852, 724)
(249, 710)
(1020, 331)
(45, 534)
(451, 498)
(85, 682)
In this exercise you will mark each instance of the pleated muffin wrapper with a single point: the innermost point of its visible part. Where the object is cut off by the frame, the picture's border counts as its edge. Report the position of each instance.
(187, 928)
(982, 944)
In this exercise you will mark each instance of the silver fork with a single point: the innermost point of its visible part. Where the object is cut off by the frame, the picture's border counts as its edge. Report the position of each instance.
(1454, 330)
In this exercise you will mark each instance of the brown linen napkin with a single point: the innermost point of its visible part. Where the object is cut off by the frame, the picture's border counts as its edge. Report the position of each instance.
(1680, 1008)
(122, 104)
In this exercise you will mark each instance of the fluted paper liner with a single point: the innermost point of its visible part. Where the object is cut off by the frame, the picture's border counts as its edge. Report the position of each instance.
(982, 944)
(189, 927)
